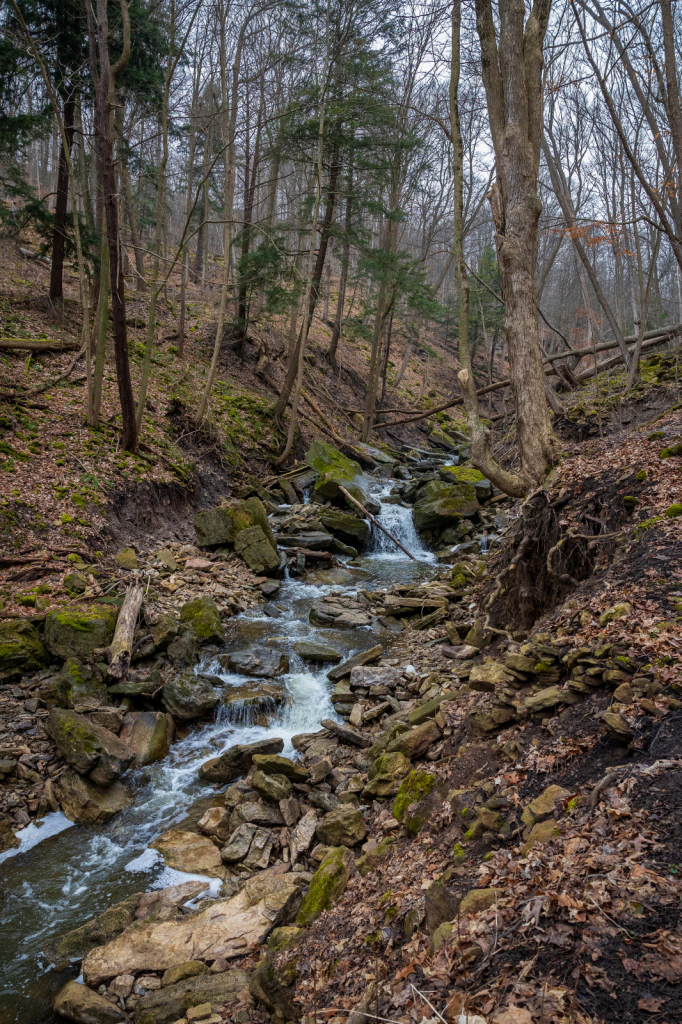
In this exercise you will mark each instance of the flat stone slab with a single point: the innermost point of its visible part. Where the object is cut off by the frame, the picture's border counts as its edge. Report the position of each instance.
(260, 663)
(362, 658)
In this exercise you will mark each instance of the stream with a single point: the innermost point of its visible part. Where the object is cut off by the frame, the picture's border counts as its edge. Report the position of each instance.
(76, 872)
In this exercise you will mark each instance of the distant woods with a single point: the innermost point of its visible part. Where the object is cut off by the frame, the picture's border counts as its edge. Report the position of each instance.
(353, 163)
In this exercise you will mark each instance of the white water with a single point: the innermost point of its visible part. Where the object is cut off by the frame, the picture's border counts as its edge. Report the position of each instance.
(55, 883)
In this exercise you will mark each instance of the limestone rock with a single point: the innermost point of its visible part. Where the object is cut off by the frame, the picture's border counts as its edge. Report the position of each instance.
(188, 851)
(256, 550)
(219, 526)
(21, 650)
(77, 685)
(413, 789)
(275, 764)
(541, 833)
(320, 770)
(91, 750)
(617, 726)
(316, 651)
(547, 698)
(258, 856)
(189, 696)
(362, 658)
(181, 972)
(273, 985)
(520, 662)
(202, 615)
(75, 632)
(254, 507)
(239, 843)
(543, 806)
(485, 678)
(226, 928)
(346, 734)
(479, 899)
(429, 708)
(270, 786)
(256, 812)
(445, 506)
(417, 741)
(148, 734)
(343, 826)
(617, 611)
(216, 822)
(84, 802)
(386, 774)
(237, 760)
(372, 857)
(76, 944)
(350, 528)
(127, 558)
(290, 810)
(258, 663)
(302, 835)
(172, 1002)
(327, 884)
(79, 1003)
(376, 675)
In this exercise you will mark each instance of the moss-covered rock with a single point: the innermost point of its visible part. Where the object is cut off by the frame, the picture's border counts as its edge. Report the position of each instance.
(127, 558)
(450, 504)
(21, 650)
(190, 969)
(350, 528)
(417, 741)
(76, 632)
(256, 550)
(274, 986)
(334, 468)
(344, 826)
(674, 510)
(80, 1003)
(477, 900)
(76, 685)
(187, 696)
(671, 451)
(86, 803)
(202, 615)
(284, 937)
(256, 510)
(414, 788)
(372, 858)
(327, 884)
(617, 611)
(219, 526)
(89, 748)
(441, 439)
(182, 649)
(386, 774)
(271, 787)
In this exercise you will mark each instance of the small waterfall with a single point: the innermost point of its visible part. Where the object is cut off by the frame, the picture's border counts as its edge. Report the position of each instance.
(398, 521)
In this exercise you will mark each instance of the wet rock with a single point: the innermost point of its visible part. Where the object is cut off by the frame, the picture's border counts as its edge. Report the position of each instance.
(89, 748)
(327, 885)
(386, 774)
(8, 840)
(316, 651)
(256, 550)
(349, 527)
(271, 787)
(344, 826)
(260, 663)
(252, 703)
(220, 526)
(188, 851)
(340, 612)
(79, 1003)
(342, 693)
(202, 615)
(75, 632)
(84, 802)
(275, 764)
(362, 658)
(226, 928)
(148, 734)
(477, 900)
(216, 822)
(417, 741)
(188, 696)
(127, 558)
(76, 944)
(171, 896)
(237, 760)
(21, 650)
(313, 540)
(172, 1002)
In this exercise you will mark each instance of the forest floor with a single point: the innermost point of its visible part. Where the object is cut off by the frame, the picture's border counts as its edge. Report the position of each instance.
(584, 925)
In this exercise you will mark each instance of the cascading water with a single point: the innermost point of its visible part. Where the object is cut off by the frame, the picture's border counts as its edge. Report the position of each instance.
(60, 882)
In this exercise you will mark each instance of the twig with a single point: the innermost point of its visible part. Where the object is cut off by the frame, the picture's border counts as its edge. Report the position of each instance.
(376, 522)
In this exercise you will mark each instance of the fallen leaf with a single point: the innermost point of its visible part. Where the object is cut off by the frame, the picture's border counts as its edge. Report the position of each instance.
(652, 1004)
(513, 1015)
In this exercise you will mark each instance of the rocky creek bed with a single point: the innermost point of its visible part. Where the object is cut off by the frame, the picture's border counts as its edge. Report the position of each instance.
(290, 747)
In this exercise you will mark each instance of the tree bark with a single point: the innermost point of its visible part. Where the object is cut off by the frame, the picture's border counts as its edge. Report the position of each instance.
(345, 260)
(59, 235)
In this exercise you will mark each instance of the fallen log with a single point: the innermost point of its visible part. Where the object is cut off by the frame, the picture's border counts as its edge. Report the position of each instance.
(119, 653)
(376, 522)
(38, 345)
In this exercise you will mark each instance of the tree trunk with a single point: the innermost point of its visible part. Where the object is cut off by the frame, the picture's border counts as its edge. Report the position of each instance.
(345, 260)
(140, 282)
(59, 235)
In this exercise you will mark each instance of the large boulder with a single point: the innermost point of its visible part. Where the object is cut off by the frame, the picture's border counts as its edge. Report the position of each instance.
(224, 929)
(439, 438)
(419, 796)
(386, 774)
(314, 651)
(467, 475)
(327, 884)
(259, 663)
(76, 944)
(182, 649)
(85, 803)
(344, 826)
(170, 1003)
(256, 550)
(349, 528)
(76, 685)
(191, 852)
(79, 1003)
(21, 651)
(237, 760)
(148, 734)
(89, 748)
(275, 764)
(334, 469)
(202, 616)
(188, 696)
(77, 631)
(219, 526)
(445, 505)
(255, 508)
